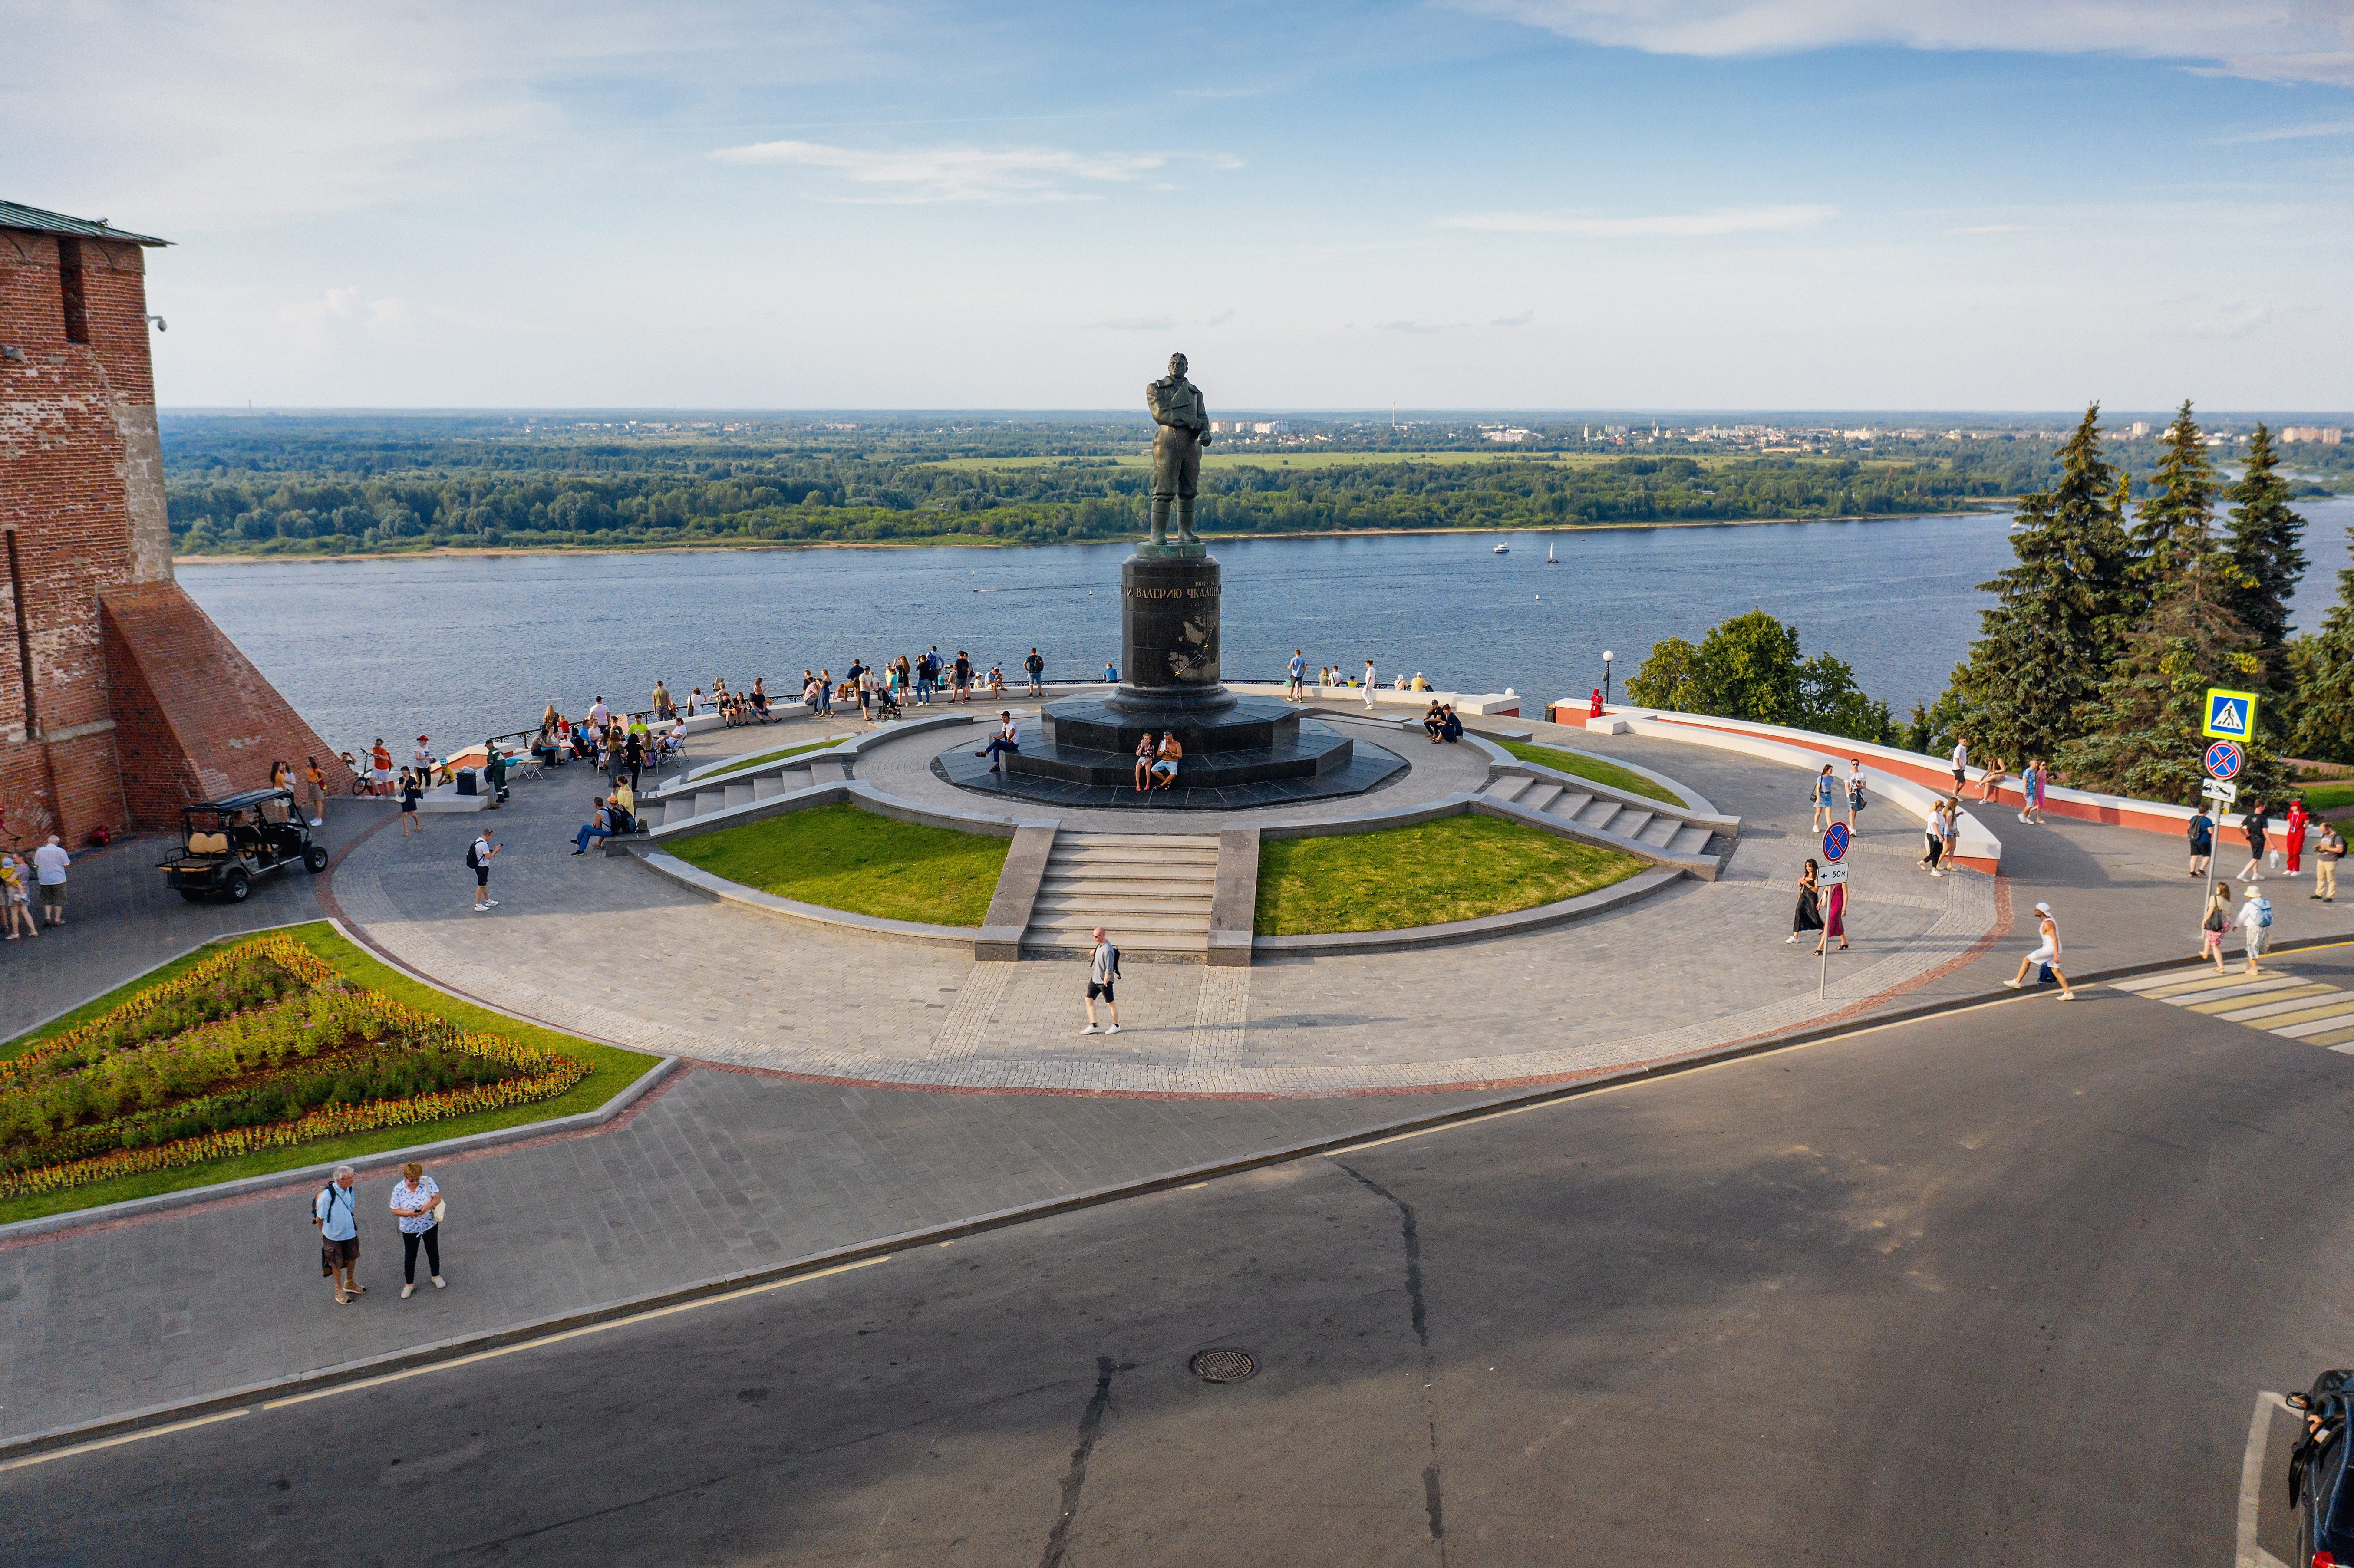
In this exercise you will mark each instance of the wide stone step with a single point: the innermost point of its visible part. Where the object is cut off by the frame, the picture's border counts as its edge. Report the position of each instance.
(1135, 840)
(1538, 796)
(1134, 857)
(1659, 831)
(1128, 941)
(1081, 921)
(1630, 823)
(1510, 787)
(1569, 803)
(1190, 877)
(1096, 910)
(1691, 839)
(1599, 815)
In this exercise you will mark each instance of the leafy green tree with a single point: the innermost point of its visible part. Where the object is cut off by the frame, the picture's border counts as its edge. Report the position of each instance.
(2176, 522)
(1831, 701)
(2267, 563)
(1932, 729)
(2142, 734)
(1669, 679)
(2060, 614)
(1748, 669)
(2322, 668)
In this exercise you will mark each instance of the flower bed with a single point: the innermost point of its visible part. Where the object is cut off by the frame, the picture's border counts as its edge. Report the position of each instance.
(263, 1047)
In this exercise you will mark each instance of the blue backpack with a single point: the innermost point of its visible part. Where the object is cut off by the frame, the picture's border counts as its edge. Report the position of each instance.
(2264, 913)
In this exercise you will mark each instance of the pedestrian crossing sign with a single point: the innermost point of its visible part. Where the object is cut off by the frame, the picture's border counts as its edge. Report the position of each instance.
(2230, 715)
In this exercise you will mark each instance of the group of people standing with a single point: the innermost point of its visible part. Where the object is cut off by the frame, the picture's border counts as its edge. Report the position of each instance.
(2256, 824)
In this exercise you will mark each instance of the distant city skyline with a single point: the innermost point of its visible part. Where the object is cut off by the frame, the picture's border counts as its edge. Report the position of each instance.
(1507, 205)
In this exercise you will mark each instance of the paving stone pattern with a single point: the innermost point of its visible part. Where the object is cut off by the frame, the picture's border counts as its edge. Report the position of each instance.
(724, 1172)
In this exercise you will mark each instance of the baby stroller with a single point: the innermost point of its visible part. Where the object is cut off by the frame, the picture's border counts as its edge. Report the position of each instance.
(886, 705)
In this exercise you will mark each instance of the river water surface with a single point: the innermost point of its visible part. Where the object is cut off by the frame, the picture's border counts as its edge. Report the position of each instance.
(462, 647)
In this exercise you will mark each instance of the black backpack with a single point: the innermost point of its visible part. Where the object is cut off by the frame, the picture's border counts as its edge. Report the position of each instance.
(473, 862)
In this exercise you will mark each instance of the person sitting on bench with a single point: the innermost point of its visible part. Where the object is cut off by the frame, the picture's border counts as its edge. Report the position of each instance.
(1434, 722)
(1452, 730)
(1165, 768)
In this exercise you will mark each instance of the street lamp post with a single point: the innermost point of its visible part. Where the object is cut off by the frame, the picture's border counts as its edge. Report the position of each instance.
(1606, 677)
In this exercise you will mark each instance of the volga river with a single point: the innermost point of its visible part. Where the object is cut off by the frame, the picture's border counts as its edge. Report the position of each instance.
(462, 647)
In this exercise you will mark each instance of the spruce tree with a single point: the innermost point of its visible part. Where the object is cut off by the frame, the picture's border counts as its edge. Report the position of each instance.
(2176, 517)
(2267, 563)
(2060, 614)
(2142, 734)
(2323, 705)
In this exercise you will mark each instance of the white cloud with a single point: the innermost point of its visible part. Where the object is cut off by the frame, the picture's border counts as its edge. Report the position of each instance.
(1419, 328)
(1993, 229)
(2272, 40)
(2232, 318)
(957, 172)
(1133, 324)
(310, 321)
(1668, 225)
(1523, 319)
(2286, 133)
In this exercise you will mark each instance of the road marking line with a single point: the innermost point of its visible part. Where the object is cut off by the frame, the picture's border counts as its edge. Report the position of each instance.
(2281, 1022)
(2246, 988)
(2146, 982)
(2269, 1006)
(568, 1334)
(2213, 983)
(2252, 1485)
(118, 1442)
(2337, 1020)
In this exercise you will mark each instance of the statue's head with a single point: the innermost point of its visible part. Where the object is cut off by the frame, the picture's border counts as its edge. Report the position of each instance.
(1176, 365)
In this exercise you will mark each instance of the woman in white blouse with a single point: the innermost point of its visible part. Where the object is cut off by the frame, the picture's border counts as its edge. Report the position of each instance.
(416, 1203)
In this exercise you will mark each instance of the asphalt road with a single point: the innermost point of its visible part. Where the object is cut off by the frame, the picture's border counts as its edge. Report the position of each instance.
(1999, 1287)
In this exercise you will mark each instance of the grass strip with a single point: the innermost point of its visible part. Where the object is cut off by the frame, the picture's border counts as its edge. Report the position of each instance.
(615, 1070)
(843, 858)
(1456, 868)
(739, 766)
(2325, 797)
(1592, 768)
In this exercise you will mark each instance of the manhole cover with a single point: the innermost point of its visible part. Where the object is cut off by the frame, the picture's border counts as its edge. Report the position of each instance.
(1222, 1366)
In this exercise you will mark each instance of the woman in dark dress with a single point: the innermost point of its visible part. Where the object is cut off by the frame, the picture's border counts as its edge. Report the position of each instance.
(1810, 915)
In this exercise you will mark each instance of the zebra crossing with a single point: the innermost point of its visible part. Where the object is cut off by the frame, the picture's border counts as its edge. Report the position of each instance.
(2289, 1005)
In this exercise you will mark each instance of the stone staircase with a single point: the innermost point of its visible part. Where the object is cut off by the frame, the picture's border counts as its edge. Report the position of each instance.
(681, 803)
(1150, 892)
(1652, 825)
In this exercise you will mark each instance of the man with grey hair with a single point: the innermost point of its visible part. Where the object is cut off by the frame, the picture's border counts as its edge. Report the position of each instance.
(337, 1214)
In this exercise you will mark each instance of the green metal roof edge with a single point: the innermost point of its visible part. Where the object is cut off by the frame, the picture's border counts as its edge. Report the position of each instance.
(14, 215)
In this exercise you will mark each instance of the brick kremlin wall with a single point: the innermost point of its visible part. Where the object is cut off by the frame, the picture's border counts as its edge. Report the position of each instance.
(138, 701)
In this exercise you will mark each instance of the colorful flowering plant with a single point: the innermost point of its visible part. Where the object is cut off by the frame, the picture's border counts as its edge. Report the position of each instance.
(207, 1065)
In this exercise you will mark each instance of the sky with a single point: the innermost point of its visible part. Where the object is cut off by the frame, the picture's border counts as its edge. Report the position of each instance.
(1483, 203)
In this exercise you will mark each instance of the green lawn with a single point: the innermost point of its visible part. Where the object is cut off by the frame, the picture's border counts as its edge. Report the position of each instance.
(1592, 768)
(844, 858)
(2326, 797)
(738, 764)
(1457, 868)
(615, 1070)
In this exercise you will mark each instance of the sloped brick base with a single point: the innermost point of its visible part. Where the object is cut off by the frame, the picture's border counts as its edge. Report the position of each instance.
(193, 719)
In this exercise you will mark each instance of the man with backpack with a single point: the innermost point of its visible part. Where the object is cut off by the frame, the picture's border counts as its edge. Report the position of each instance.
(2327, 851)
(478, 860)
(334, 1211)
(1035, 667)
(1103, 972)
(2256, 923)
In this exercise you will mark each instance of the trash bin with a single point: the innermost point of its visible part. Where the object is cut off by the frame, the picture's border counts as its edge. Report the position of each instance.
(466, 781)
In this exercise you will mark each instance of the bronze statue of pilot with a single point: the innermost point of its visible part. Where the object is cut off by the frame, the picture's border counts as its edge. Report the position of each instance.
(1178, 408)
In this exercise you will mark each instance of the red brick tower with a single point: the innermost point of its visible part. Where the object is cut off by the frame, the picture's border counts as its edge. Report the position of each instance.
(120, 699)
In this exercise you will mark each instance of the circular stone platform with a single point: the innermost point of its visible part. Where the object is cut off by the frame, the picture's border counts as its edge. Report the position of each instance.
(1226, 780)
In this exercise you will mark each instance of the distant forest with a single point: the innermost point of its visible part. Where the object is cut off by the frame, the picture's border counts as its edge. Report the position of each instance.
(321, 484)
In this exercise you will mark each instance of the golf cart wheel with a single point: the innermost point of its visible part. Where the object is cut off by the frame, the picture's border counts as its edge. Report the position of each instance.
(315, 858)
(237, 886)
(193, 895)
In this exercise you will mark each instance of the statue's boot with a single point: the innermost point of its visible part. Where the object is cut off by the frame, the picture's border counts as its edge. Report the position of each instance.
(1161, 519)
(1185, 522)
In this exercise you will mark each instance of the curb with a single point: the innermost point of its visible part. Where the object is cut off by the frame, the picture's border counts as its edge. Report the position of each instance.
(33, 1445)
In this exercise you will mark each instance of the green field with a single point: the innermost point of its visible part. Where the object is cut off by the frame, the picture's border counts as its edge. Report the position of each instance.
(1457, 868)
(843, 858)
(2326, 797)
(1592, 768)
(1301, 458)
(615, 1070)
